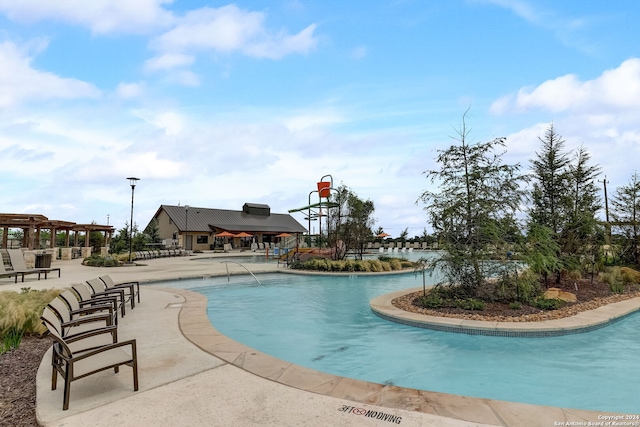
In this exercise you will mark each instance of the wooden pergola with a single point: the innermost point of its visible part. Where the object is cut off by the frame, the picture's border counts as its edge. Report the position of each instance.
(33, 224)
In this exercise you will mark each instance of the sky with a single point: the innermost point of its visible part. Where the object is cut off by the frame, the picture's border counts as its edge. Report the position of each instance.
(216, 104)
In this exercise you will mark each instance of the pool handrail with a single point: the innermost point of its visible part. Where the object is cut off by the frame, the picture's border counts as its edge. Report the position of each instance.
(235, 262)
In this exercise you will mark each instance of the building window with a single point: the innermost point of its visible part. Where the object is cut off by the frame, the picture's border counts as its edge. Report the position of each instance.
(203, 239)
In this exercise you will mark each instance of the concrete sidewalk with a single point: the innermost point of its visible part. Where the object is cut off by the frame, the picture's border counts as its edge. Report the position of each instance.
(191, 375)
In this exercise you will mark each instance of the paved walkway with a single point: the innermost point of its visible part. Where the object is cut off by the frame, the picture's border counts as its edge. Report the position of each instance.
(190, 374)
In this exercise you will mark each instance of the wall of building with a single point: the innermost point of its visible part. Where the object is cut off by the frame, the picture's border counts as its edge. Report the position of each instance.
(166, 227)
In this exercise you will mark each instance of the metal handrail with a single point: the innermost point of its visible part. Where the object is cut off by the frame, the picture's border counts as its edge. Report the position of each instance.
(235, 262)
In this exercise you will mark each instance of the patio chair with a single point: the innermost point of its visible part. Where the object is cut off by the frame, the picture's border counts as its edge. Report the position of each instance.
(73, 360)
(82, 308)
(84, 294)
(10, 273)
(74, 323)
(17, 261)
(99, 287)
(87, 293)
(18, 265)
(133, 286)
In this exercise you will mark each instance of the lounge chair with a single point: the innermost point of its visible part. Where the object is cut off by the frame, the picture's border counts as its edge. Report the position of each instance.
(83, 308)
(10, 273)
(18, 266)
(87, 293)
(134, 286)
(73, 361)
(99, 287)
(17, 261)
(74, 323)
(84, 294)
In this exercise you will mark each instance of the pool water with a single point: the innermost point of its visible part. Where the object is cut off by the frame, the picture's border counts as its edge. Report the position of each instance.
(325, 323)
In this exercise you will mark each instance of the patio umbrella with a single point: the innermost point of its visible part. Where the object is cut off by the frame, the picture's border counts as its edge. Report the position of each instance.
(225, 234)
(284, 235)
(242, 234)
(383, 235)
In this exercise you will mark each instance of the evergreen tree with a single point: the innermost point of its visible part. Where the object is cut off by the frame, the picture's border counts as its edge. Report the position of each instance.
(565, 201)
(626, 216)
(477, 193)
(551, 183)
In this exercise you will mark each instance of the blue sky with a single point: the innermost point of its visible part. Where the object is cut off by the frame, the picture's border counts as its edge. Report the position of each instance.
(215, 104)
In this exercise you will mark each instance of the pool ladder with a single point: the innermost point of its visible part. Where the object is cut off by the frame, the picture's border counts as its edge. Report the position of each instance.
(235, 262)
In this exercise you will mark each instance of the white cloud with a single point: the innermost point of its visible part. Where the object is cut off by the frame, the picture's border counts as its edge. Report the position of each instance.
(169, 60)
(101, 16)
(615, 89)
(282, 44)
(145, 164)
(19, 82)
(309, 120)
(171, 122)
(228, 29)
(129, 90)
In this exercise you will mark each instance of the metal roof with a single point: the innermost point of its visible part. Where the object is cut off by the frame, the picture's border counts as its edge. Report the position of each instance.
(207, 220)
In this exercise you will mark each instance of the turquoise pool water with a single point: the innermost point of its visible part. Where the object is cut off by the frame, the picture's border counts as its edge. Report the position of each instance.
(325, 323)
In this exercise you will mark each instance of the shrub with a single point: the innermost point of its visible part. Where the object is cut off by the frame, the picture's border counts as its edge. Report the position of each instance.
(375, 265)
(395, 264)
(20, 314)
(363, 266)
(515, 305)
(99, 261)
(617, 287)
(431, 300)
(338, 266)
(349, 265)
(469, 304)
(548, 304)
(386, 266)
(11, 340)
(629, 276)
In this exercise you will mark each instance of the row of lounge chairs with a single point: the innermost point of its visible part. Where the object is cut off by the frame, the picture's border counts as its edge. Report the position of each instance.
(159, 253)
(83, 322)
(400, 245)
(17, 266)
(395, 250)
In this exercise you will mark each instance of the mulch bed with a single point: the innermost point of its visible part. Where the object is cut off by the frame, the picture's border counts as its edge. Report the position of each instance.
(590, 296)
(18, 369)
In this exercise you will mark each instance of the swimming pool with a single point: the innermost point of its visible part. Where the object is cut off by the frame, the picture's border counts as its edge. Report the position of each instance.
(325, 323)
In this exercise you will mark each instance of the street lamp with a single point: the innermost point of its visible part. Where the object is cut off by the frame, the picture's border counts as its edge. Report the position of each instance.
(132, 181)
(186, 227)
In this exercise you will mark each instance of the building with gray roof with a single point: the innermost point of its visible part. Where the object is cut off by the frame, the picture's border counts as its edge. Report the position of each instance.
(195, 228)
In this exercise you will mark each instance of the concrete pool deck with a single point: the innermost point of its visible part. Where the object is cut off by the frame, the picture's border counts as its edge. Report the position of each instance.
(190, 374)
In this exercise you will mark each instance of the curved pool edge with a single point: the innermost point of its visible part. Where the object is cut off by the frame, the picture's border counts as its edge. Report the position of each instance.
(585, 321)
(196, 327)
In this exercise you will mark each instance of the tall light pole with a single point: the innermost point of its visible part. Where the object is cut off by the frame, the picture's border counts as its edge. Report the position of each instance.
(186, 227)
(132, 181)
